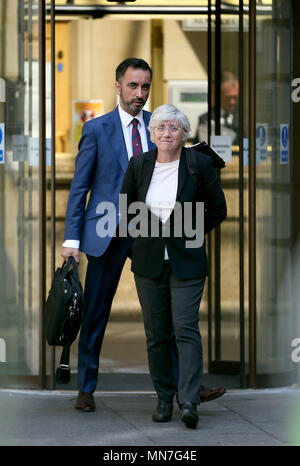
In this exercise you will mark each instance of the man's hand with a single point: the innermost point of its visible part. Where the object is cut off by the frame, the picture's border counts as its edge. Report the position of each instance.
(67, 252)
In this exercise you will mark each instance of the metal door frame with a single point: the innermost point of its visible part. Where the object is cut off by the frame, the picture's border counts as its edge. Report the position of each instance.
(98, 12)
(217, 365)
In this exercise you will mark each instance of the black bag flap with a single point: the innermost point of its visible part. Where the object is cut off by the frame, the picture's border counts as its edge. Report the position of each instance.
(202, 146)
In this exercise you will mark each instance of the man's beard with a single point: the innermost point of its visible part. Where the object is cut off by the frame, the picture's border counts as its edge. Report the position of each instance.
(133, 108)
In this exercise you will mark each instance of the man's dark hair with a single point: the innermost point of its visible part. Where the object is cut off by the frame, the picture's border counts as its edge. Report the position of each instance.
(137, 63)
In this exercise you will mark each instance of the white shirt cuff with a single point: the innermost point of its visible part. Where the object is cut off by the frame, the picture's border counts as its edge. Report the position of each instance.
(71, 243)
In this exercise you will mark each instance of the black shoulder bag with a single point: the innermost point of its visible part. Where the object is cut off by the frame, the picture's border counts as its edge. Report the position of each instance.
(63, 314)
(203, 147)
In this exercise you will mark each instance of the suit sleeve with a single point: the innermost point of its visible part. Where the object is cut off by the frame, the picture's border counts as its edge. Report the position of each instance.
(85, 165)
(215, 209)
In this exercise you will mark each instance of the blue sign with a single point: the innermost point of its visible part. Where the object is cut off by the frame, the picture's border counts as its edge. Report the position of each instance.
(261, 135)
(284, 144)
(1, 142)
(284, 136)
(262, 141)
(246, 151)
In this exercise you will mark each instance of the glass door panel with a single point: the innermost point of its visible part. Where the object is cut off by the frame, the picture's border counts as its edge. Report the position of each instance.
(19, 195)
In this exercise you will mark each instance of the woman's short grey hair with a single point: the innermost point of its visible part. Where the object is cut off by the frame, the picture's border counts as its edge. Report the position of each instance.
(169, 112)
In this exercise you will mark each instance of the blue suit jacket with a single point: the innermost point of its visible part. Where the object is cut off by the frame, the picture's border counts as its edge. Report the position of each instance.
(100, 166)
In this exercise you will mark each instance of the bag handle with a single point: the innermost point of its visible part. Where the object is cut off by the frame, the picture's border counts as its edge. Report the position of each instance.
(66, 266)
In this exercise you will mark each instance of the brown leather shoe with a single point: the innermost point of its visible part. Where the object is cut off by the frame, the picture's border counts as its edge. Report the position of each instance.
(209, 394)
(85, 402)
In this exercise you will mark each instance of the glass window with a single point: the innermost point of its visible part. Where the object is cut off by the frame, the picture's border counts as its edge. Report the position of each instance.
(19, 184)
(273, 195)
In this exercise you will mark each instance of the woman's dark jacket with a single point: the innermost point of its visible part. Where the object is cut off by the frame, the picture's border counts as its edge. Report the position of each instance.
(197, 182)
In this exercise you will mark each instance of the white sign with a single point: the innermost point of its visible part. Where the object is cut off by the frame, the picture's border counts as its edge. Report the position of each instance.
(222, 146)
(2, 90)
(262, 141)
(246, 151)
(296, 92)
(33, 154)
(20, 147)
(48, 152)
(284, 144)
(2, 142)
(2, 350)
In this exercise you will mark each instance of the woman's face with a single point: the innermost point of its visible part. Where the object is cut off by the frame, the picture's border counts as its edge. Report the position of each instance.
(168, 136)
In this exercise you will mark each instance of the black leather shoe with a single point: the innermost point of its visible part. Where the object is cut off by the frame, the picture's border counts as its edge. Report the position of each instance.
(189, 414)
(163, 411)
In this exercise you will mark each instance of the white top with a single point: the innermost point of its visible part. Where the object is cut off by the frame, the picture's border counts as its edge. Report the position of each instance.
(161, 195)
(126, 120)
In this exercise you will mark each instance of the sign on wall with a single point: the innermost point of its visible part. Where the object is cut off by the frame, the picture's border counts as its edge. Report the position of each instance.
(284, 144)
(262, 141)
(20, 147)
(82, 111)
(223, 146)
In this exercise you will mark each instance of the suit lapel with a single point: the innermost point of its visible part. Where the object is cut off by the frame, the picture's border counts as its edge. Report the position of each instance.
(148, 168)
(182, 173)
(115, 135)
(147, 172)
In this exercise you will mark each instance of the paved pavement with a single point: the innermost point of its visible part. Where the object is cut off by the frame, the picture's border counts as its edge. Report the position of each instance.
(269, 417)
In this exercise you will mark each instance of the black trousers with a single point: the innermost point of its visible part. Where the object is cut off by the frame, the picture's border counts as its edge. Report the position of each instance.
(102, 278)
(166, 301)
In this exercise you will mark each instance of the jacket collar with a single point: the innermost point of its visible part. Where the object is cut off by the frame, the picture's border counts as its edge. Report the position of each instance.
(115, 135)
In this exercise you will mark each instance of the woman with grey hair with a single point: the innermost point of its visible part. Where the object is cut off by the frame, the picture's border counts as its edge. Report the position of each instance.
(168, 262)
(169, 112)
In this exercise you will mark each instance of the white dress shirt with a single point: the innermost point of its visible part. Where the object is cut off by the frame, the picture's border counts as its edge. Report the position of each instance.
(126, 120)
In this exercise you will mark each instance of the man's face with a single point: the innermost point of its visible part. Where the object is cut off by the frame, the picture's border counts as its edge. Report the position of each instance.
(229, 97)
(133, 89)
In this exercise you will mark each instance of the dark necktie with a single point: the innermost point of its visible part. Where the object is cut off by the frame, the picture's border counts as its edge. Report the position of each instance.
(136, 139)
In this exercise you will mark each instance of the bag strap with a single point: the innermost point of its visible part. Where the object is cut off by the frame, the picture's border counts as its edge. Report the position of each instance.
(65, 356)
(63, 372)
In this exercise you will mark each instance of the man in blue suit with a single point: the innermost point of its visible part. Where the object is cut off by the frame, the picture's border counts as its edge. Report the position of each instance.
(106, 145)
